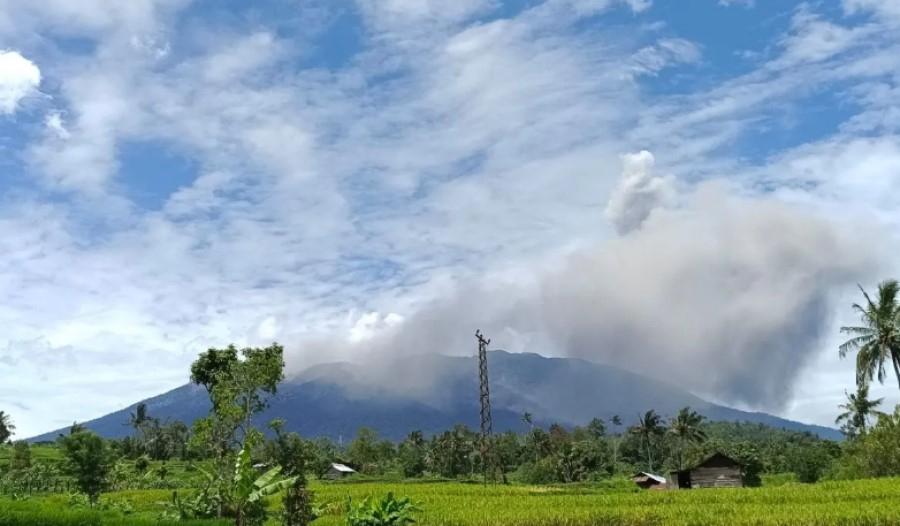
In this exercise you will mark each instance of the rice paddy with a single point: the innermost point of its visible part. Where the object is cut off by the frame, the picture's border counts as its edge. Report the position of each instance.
(845, 503)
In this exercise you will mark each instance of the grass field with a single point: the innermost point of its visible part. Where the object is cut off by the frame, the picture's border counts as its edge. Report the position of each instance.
(39, 453)
(871, 502)
(856, 503)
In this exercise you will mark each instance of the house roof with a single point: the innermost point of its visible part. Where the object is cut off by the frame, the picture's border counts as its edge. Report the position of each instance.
(719, 458)
(657, 478)
(716, 459)
(342, 468)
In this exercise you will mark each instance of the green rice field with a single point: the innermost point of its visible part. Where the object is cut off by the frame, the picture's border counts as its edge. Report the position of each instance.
(857, 503)
(868, 502)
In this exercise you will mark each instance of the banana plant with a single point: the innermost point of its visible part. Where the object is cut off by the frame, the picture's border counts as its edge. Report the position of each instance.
(248, 490)
(389, 511)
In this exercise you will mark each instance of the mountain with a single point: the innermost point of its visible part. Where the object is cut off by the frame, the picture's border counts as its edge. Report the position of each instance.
(432, 393)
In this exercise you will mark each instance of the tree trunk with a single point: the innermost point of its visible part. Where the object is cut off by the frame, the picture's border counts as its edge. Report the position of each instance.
(615, 455)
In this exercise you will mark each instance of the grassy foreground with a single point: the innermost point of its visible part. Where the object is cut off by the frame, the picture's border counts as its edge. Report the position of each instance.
(856, 503)
(868, 502)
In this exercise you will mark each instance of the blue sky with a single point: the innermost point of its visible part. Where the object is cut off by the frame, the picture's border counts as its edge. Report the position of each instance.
(643, 183)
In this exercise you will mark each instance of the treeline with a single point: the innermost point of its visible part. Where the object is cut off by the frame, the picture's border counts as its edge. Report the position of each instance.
(556, 454)
(593, 452)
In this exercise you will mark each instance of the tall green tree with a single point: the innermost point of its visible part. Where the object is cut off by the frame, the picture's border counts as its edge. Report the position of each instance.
(876, 340)
(323, 452)
(528, 419)
(139, 417)
(597, 428)
(857, 411)
(649, 428)
(294, 455)
(876, 453)
(88, 461)
(239, 384)
(21, 457)
(687, 428)
(6, 427)
(364, 451)
(239, 388)
(211, 365)
(451, 453)
(411, 454)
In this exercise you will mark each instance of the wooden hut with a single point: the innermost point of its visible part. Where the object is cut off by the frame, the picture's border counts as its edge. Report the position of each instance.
(339, 471)
(717, 471)
(646, 480)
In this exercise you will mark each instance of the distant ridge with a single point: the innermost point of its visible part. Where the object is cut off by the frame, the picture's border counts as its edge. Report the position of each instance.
(336, 399)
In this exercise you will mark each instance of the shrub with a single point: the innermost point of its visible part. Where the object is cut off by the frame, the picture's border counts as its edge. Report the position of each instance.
(21, 457)
(88, 461)
(388, 511)
(141, 464)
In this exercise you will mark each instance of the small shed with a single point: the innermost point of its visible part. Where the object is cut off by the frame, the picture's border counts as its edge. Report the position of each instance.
(717, 471)
(646, 480)
(339, 471)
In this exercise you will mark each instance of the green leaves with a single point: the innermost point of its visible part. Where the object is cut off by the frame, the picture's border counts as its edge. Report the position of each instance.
(88, 461)
(388, 511)
(877, 340)
(248, 490)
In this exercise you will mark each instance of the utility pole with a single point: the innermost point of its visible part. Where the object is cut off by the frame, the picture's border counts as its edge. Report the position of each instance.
(487, 458)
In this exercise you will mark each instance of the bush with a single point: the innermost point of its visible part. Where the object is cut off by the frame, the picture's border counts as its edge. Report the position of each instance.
(388, 511)
(141, 464)
(21, 457)
(88, 461)
(540, 472)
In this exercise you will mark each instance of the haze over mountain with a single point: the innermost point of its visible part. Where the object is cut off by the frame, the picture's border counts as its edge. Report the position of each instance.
(337, 399)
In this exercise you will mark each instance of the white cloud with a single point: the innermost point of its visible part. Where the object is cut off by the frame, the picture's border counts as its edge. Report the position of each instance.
(397, 14)
(19, 78)
(587, 7)
(372, 324)
(667, 52)
(95, 18)
(889, 10)
(813, 38)
(742, 3)
(54, 123)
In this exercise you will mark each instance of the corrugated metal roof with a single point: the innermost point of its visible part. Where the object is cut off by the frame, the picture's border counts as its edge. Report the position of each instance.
(657, 478)
(342, 468)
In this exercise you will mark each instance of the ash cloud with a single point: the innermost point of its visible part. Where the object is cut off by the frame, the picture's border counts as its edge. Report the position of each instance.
(729, 297)
(640, 191)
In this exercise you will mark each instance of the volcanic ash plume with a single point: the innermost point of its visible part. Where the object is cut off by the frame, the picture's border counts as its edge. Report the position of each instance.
(726, 296)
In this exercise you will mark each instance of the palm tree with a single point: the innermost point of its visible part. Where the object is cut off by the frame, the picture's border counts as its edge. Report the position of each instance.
(857, 411)
(139, 417)
(528, 419)
(686, 427)
(416, 438)
(877, 340)
(648, 426)
(6, 427)
(616, 422)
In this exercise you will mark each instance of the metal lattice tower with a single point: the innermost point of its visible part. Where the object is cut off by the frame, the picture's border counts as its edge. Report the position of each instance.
(485, 392)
